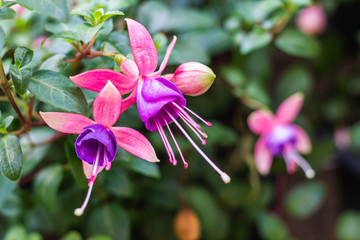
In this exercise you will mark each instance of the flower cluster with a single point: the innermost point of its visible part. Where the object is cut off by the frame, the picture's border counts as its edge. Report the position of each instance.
(159, 99)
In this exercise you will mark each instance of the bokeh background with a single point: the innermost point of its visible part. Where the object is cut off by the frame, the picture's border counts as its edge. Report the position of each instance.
(261, 52)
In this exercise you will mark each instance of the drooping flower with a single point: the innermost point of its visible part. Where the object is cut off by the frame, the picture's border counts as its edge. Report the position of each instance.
(279, 137)
(97, 142)
(159, 101)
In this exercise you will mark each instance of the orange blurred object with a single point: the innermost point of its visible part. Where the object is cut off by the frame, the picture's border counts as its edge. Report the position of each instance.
(187, 225)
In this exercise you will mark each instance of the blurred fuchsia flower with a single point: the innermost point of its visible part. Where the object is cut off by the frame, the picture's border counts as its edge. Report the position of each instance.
(278, 137)
(159, 101)
(97, 143)
(312, 20)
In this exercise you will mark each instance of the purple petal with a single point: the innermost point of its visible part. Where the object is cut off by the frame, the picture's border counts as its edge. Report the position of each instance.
(279, 137)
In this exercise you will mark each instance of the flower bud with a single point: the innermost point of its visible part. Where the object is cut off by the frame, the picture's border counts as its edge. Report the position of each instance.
(311, 20)
(119, 58)
(193, 78)
(187, 225)
(129, 68)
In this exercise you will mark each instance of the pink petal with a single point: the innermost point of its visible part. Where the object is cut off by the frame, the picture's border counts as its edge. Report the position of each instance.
(107, 105)
(135, 143)
(95, 80)
(261, 121)
(262, 156)
(303, 144)
(142, 47)
(166, 59)
(88, 169)
(129, 68)
(127, 102)
(66, 122)
(290, 108)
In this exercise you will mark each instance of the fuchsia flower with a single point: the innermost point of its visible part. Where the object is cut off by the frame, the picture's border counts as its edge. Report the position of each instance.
(97, 143)
(278, 137)
(312, 20)
(159, 101)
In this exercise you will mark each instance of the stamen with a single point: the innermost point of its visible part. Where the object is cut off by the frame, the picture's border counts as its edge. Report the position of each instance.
(303, 164)
(169, 150)
(187, 116)
(197, 116)
(176, 144)
(223, 175)
(189, 125)
(80, 211)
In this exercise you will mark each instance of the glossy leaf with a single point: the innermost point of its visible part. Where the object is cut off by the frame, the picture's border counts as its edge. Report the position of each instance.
(110, 14)
(271, 227)
(76, 165)
(2, 38)
(68, 35)
(254, 40)
(52, 8)
(86, 31)
(110, 220)
(58, 91)
(86, 13)
(7, 13)
(7, 121)
(46, 186)
(10, 157)
(298, 44)
(55, 63)
(8, 3)
(305, 199)
(21, 78)
(22, 56)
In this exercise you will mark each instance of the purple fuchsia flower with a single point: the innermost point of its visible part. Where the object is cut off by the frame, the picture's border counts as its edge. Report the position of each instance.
(278, 137)
(159, 101)
(97, 142)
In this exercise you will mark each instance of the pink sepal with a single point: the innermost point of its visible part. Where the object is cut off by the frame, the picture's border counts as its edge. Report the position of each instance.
(303, 144)
(261, 121)
(262, 156)
(128, 101)
(88, 170)
(66, 122)
(135, 143)
(95, 80)
(166, 59)
(107, 105)
(142, 47)
(289, 109)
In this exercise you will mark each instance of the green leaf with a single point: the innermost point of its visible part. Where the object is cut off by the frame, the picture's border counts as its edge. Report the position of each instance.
(99, 237)
(110, 14)
(52, 8)
(305, 199)
(256, 39)
(75, 164)
(111, 220)
(21, 78)
(58, 91)
(68, 35)
(7, 121)
(7, 13)
(86, 31)
(348, 225)
(46, 186)
(22, 56)
(6, 188)
(86, 13)
(143, 167)
(72, 235)
(55, 63)
(2, 39)
(271, 227)
(118, 183)
(296, 43)
(8, 3)
(16, 232)
(10, 157)
(98, 14)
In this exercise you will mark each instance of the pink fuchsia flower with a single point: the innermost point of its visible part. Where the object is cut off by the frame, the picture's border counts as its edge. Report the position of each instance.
(97, 142)
(159, 101)
(279, 137)
(312, 20)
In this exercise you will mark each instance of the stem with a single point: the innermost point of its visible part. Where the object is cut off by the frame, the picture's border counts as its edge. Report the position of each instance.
(30, 109)
(100, 53)
(5, 87)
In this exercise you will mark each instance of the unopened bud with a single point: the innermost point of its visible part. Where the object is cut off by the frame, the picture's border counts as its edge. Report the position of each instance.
(119, 58)
(312, 20)
(129, 68)
(193, 78)
(187, 225)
